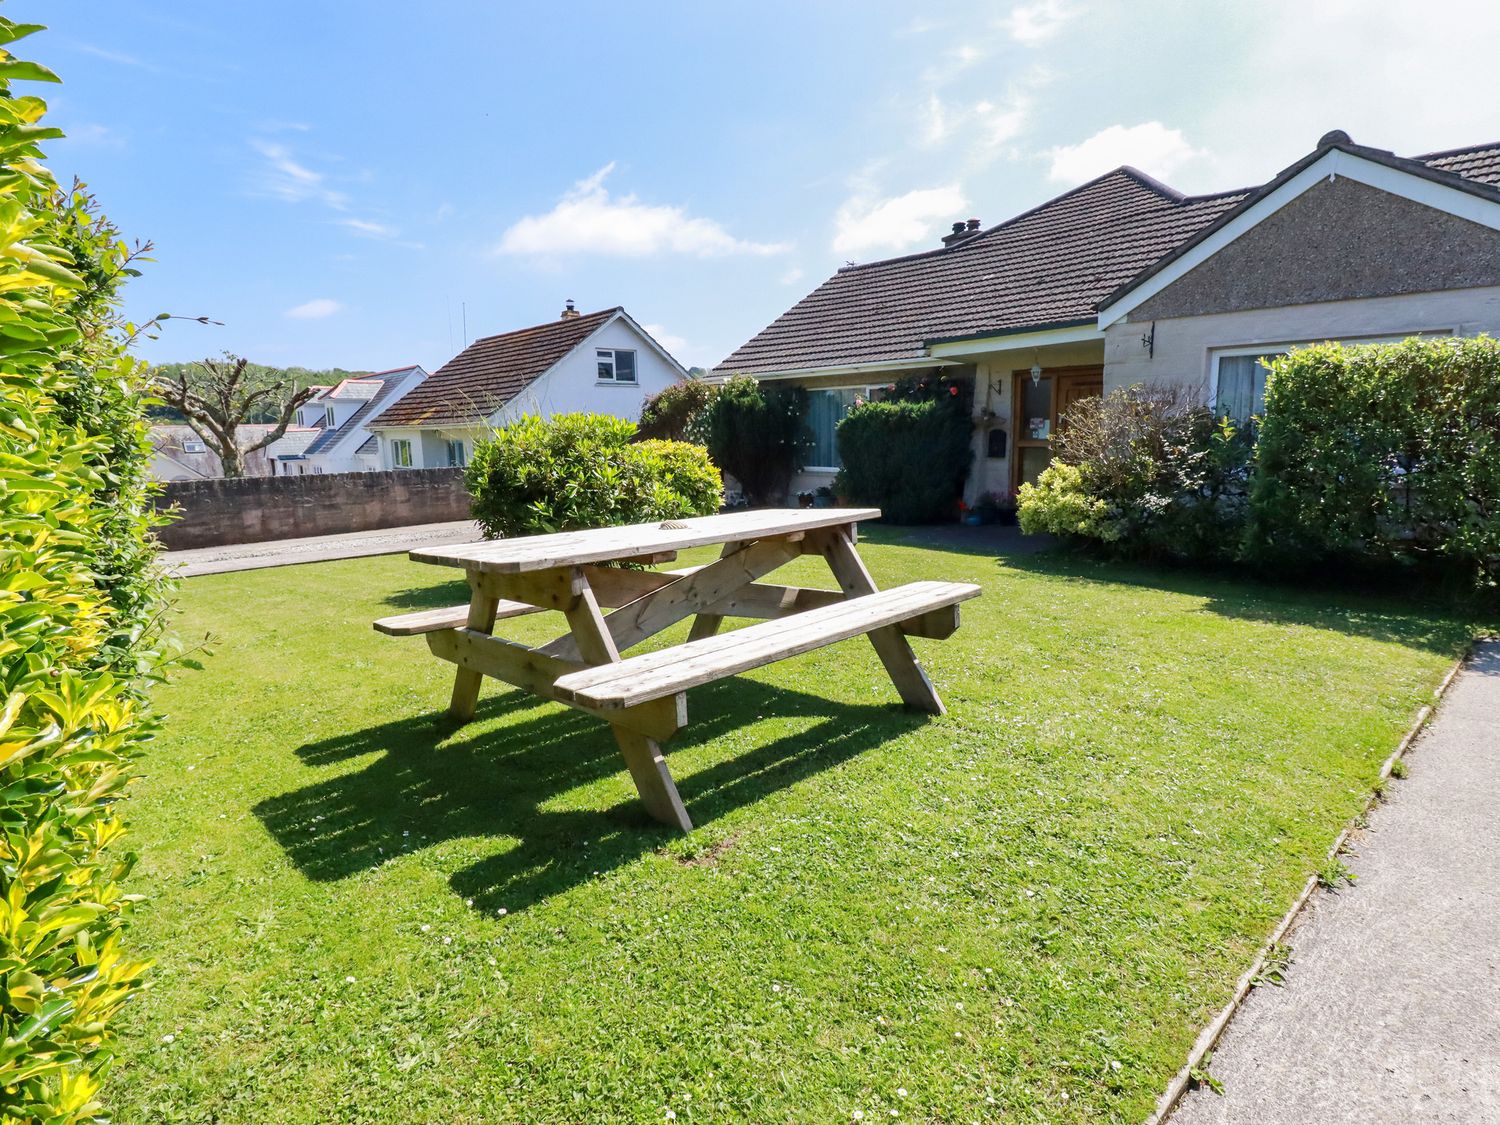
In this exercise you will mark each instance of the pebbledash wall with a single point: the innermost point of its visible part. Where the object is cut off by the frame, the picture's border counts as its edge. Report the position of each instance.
(256, 509)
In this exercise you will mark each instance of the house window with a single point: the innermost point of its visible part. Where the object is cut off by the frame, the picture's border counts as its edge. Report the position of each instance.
(616, 365)
(328, 417)
(826, 408)
(1240, 384)
(401, 453)
(456, 455)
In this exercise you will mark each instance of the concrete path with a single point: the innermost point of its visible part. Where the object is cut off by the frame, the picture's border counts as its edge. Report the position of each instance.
(319, 548)
(1391, 1008)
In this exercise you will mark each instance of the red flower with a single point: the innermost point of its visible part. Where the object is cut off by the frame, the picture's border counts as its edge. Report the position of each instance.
(953, 390)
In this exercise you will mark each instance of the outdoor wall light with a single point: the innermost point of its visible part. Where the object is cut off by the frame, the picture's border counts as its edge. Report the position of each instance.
(1036, 374)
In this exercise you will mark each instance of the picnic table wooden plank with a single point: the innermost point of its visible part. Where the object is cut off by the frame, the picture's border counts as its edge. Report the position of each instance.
(667, 671)
(613, 544)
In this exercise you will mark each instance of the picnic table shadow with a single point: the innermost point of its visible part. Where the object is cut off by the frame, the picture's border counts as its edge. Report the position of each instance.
(434, 781)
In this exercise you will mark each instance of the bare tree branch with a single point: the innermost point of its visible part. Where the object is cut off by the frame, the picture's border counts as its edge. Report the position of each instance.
(218, 396)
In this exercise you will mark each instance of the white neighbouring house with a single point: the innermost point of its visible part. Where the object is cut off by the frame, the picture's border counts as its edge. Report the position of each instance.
(343, 416)
(599, 363)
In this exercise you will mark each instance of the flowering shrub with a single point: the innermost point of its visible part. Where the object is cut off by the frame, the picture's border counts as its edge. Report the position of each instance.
(758, 435)
(1147, 470)
(678, 413)
(81, 605)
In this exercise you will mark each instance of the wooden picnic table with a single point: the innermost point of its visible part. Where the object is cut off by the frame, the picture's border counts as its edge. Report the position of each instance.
(643, 697)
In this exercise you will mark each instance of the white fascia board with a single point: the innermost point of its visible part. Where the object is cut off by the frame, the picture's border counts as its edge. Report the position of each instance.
(1078, 334)
(1336, 163)
(650, 340)
(847, 369)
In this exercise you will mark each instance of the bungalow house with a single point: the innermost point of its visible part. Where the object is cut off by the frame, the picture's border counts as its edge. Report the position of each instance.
(1124, 280)
(343, 415)
(602, 363)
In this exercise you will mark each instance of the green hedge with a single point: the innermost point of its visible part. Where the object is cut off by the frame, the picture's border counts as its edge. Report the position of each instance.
(1372, 456)
(758, 434)
(574, 471)
(81, 607)
(1382, 454)
(909, 454)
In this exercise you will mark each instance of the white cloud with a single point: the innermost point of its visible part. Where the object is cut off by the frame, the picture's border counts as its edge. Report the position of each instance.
(791, 276)
(367, 228)
(1151, 147)
(936, 121)
(112, 56)
(588, 220)
(91, 133)
(284, 177)
(1038, 21)
(1004, 122)
(316, 309)
(897, 223)
(675, 344)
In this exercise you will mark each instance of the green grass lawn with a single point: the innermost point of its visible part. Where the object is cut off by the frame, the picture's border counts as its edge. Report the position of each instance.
(1023, 911)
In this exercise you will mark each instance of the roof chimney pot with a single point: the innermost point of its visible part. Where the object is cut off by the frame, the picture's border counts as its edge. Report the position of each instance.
(569, 312)
(962, 232)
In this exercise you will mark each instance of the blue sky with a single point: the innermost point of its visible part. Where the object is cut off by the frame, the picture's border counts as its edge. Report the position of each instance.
(336, 181)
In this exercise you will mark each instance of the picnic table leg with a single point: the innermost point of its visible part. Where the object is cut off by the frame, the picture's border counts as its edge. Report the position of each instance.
(890, 643)
(643, 755)
(707, 624)
(466, 682)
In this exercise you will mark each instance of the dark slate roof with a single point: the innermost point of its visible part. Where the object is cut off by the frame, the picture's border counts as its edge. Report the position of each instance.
(1046, 268)
(389, 382)
(1053, 266)
(1478, 162)
(492, 371)
(371, 444)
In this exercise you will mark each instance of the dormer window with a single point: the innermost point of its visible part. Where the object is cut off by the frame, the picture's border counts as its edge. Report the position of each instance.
(328, 418)
(616, 365)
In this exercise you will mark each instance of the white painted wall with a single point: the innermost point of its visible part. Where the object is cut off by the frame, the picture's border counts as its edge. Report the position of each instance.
(344, 457)
(571, 386)
(1185, 346)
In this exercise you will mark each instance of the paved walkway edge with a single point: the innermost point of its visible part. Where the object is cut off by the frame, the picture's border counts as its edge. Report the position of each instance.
(1208, 1038)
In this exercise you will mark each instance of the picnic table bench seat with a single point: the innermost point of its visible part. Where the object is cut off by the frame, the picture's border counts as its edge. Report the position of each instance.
(655, 675)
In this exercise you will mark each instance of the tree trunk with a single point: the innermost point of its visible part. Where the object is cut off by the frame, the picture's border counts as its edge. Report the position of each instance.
(230, 461)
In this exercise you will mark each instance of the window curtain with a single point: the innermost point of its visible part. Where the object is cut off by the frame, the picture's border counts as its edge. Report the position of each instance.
(1241, 392)
(825, 410)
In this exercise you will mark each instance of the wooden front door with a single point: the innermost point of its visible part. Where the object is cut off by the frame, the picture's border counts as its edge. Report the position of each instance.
(1039, 408)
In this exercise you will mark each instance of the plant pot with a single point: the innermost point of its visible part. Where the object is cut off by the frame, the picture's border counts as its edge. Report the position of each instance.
(973, 519)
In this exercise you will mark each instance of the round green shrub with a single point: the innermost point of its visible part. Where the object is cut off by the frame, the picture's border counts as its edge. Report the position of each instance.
(575, 471)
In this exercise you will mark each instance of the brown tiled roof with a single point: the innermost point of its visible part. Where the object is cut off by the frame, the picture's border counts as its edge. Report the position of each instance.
(1044, 268)
(490, 372)
(1478, 162)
